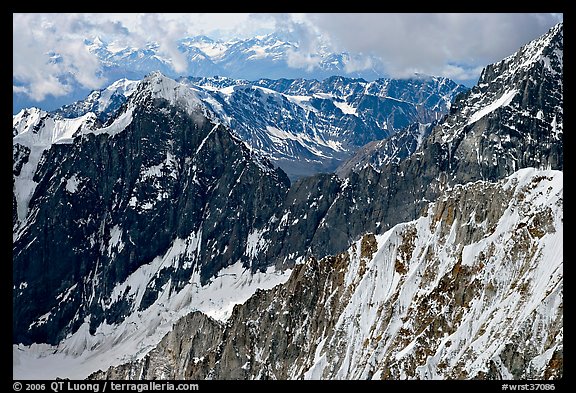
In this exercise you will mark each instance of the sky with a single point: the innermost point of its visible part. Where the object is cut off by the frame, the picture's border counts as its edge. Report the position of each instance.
(456, 46)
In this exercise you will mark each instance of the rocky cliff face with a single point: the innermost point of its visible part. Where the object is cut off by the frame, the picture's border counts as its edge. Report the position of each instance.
(111, 202)
(377, 154)
(491, 132)
(472, 289)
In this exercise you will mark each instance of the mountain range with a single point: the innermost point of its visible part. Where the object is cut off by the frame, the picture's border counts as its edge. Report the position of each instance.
(304, 126)
(266, 56)
(272, 56)
(161, 238)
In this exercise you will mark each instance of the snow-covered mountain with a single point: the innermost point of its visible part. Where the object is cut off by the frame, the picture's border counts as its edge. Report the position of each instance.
(471, 289)
(268, 56)
(303, 126)
(161, 245)
(103, 103)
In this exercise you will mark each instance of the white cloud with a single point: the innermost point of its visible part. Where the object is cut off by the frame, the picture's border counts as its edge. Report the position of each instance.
(47, 52)
(459, 72)
(20, 89)
(353, 64)
(452, 45)
(166, 32)
(430, 43)
(301, 59)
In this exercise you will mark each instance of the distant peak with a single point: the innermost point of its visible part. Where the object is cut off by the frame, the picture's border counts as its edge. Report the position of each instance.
(155, 75)
(96, 42)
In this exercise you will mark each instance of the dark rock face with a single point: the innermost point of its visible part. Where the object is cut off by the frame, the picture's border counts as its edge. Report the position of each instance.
(106, 205)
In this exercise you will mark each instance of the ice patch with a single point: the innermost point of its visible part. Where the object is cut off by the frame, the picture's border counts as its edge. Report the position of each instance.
(345, 108)
(504, 100)
(255, 243)
(72, 184)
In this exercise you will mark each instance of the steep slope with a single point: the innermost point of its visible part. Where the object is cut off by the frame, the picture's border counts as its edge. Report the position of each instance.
(377, 154)
(472, 289)
(512, 119)
(34, 131)
(116, 217)
(523, 130)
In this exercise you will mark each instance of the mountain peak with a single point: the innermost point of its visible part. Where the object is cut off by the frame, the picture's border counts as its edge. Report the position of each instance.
(158, 85)
(155, 75)
(546, 51)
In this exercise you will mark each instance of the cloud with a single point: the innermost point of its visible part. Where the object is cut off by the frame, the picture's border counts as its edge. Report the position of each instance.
(154, 28)
(295, 28)
(358, 64)
(457, 46)
(460, 73)
(48, 55)
(302, 60)
(20, 89)
(50, 58)
(432, 43)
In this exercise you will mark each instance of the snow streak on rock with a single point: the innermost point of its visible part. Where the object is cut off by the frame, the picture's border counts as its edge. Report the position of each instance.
(472, 289)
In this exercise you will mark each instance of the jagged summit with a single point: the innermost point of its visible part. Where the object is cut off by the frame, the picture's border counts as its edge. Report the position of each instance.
(513, 118)
(545, 52)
